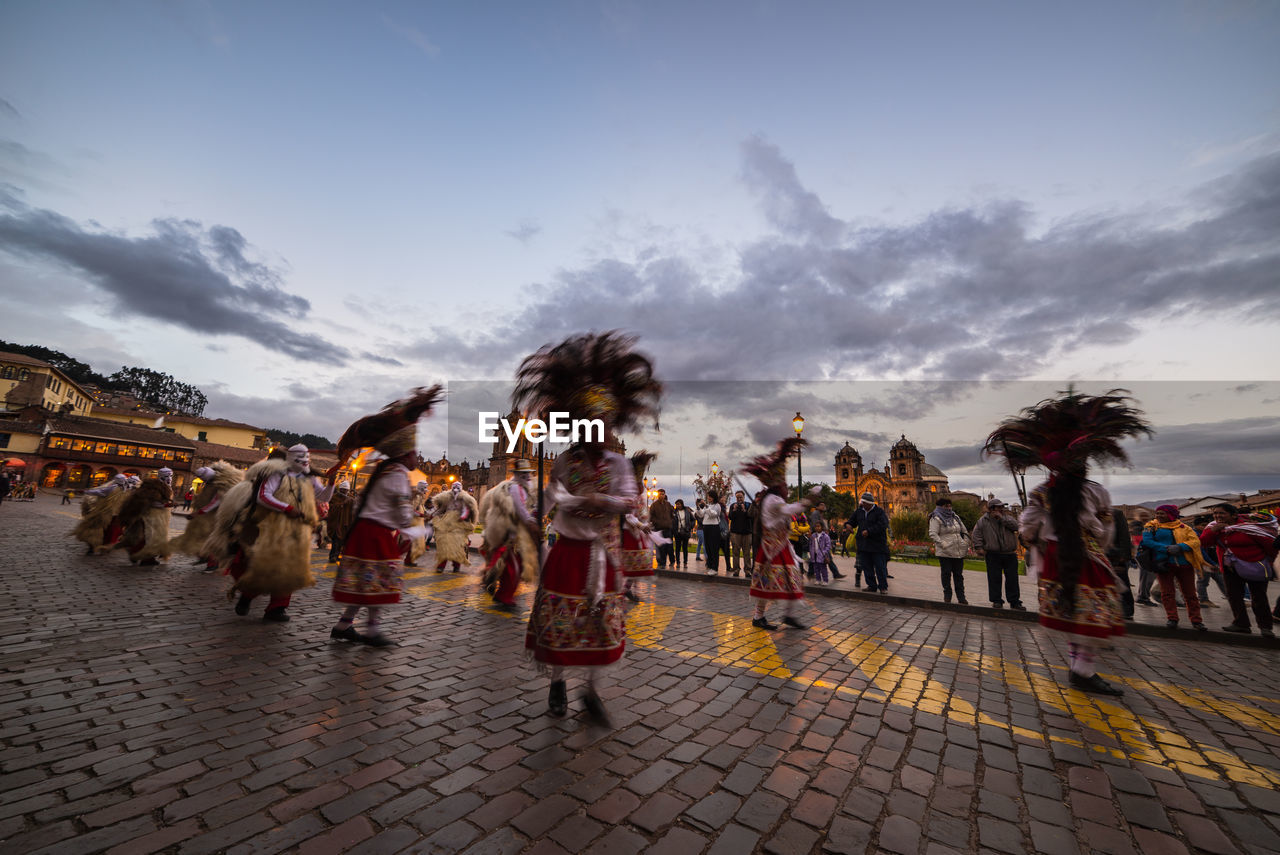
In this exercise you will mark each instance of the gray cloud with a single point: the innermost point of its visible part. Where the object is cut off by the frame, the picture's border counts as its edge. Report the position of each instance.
(7, 109)
(526, 231)
(195, 278)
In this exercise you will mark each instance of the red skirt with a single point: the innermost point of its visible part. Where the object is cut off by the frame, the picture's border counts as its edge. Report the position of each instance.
(778, 579)
(1097, 612)
(637, 556)
(563, 628)
(372, 568)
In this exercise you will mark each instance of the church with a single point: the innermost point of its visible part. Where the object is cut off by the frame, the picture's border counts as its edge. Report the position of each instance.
(906, 483)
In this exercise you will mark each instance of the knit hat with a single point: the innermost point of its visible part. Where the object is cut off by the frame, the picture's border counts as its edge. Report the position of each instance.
(1171, 510)
(867, 497)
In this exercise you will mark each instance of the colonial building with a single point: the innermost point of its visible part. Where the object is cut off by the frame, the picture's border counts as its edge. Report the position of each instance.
(76, 452)
(906, 482)
(198, 428)
(29, 382)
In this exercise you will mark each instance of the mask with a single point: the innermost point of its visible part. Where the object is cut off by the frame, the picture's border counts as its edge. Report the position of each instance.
(299, 459)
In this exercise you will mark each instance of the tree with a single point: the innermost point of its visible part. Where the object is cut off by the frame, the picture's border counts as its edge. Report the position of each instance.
(967, 510)
(159, 390)
(73, 368)
(288, 438)
(911, 526)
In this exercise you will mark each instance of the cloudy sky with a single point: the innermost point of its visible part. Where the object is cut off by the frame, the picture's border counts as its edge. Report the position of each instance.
(897, 218)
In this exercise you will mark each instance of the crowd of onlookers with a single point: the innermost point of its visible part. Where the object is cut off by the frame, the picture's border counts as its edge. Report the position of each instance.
(1175, 560)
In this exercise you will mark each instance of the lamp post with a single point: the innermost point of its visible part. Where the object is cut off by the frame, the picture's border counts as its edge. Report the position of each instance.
(798, 424)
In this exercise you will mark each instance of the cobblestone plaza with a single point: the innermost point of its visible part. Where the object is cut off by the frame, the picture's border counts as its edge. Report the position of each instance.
(140, 714)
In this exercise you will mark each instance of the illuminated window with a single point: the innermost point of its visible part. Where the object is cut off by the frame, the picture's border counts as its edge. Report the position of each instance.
(844, 473)
(24, 374)
(184, 457)
(128, 451)
(6, 373)
(59, 442)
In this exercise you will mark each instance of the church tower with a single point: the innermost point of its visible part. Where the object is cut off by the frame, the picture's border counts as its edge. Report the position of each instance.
(848, 469)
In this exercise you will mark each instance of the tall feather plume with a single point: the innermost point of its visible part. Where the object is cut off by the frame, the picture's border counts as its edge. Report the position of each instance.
(640, 462)
(770, 468)
(555, 377)
(1066, 432)
(368, 431)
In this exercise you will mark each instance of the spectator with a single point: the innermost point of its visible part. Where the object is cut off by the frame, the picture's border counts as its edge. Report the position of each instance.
(740, 522)
(681, 528)
(1120, 554)
(871, 526)
(799, 537)
(819, 553)
(1175, 551)
(697, 555)
(186, 499)
(709, 524)
(662, 520)
(951, 544)
(995, 538)
(1246, 549)
(846, 532)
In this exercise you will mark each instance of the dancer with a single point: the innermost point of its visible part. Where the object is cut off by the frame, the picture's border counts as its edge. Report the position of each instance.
(510, 536)
(262, 531)
(577, 618)
(776, 574)
(217, 480)
(1067, 523)
(454, 521)
(99, 527)
(419, 544)
(638, 540)
(144, 519)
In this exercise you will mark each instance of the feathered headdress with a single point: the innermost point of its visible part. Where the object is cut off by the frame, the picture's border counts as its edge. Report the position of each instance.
(590, 375)
(396, 416)
(771, 469)
(640, 463)
(1065, 433)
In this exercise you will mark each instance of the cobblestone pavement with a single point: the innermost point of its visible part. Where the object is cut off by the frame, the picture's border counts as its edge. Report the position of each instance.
(139, 714)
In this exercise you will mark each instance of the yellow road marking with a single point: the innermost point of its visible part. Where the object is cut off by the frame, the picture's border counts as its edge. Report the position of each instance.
(905, 685)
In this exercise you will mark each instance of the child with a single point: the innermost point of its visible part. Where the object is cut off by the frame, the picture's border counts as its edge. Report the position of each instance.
(819, 554)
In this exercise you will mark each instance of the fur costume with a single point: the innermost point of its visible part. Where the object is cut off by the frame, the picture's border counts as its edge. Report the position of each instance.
(452, 531)
(145, 517)
(95, 516)
(418, 546)
(200, 526)
(277, 547)
(502, 527)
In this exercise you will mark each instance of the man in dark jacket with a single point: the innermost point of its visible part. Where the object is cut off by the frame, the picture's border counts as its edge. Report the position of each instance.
(681, 529)
(1120, 553)
(871, 526)
(995, 538)
(662, 520)
(740, 524)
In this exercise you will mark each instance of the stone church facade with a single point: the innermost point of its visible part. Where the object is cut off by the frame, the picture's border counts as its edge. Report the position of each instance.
(906, 482)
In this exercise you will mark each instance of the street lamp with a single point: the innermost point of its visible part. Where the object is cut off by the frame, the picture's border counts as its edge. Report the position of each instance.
(798, 424)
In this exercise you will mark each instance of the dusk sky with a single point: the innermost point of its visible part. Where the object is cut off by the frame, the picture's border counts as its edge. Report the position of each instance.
(305, 209)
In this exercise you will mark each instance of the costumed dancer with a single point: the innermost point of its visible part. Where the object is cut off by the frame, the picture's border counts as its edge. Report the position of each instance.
(262, 531)
(776, 574)
(510, 536)
(1067, 524)
(144, 516)
(341, 516)
(638, 538)
(371, 571)
(216, 481)
(419, 544)
(99, 527)
(454, 521)
(577, 618)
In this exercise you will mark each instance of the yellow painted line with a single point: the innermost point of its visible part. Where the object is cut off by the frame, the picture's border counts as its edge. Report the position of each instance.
(744, 646)
(1246, 715)
(894, 679)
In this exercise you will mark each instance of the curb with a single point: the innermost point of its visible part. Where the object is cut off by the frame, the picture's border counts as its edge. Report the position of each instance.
(1131, 628)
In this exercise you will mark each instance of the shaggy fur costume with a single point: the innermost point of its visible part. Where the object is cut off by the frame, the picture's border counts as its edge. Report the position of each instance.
(451, 530)
(146, 526)
(418, 546)
(277, 547)
(95, 516)
(200, 526)
(501, 523)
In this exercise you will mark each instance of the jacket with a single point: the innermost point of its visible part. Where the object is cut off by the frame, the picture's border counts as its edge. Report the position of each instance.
(661, 516)
(950, 540)
(681, 521)
(871, 527)
(996, 534)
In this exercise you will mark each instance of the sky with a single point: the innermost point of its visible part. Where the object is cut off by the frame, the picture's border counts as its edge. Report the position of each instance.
(909, 218)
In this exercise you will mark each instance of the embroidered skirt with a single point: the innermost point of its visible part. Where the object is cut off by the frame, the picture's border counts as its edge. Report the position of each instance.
(637, 556)
(563, 628)
(778, 579)
(1097, 612)
(372, 567)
